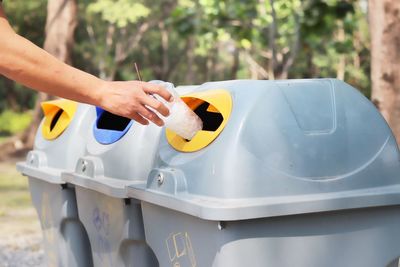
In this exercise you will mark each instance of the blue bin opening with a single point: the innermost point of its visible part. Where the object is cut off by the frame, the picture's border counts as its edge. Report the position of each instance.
(109, 128)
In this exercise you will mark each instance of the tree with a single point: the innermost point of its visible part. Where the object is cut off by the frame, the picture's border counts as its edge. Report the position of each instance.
(25, 19)
(60, 26)
(115, 28)
(384, 21)
(192, 42)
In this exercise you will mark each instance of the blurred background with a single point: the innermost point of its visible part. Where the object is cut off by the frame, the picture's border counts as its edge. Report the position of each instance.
(189, 42)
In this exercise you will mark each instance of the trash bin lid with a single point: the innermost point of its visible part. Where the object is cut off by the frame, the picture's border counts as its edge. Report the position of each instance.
(289, 147)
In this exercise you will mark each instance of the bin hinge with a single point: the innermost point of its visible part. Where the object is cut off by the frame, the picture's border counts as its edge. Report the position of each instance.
(36, 159)
(90, 166)
(168, 180)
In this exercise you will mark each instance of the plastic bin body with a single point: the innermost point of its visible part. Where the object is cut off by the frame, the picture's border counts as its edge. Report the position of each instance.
(113, 222)
(351, 238)
(115, 229)
(65, 240)
(115, 158)
(304, 173)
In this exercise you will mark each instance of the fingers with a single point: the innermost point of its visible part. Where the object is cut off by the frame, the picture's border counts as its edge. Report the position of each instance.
(151, 116)
(136, 103)
(136, 117)
(156, 105)
(157, 89)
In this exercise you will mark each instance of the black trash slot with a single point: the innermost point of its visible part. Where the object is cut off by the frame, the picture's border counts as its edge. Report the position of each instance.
(109, 121)
(211, 120)
(55, 119)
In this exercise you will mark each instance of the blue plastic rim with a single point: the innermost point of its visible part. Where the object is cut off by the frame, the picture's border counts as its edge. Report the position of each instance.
(108, 136)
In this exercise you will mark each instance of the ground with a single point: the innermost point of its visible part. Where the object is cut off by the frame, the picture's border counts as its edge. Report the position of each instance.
(20, 234)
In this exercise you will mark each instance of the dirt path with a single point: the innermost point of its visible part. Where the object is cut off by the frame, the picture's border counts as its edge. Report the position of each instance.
(22, 251)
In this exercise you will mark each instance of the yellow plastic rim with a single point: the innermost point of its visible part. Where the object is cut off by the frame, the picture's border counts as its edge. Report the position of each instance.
(220, 102)
(51, 110)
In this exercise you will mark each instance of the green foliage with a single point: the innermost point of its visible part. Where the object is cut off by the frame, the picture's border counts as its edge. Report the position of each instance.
(28, 18)
(120, 12)
(12, 122)
(202, 39)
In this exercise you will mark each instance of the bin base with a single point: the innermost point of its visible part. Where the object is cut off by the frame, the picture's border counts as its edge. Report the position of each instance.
(354, 238)
(115, 230)
(65, 240)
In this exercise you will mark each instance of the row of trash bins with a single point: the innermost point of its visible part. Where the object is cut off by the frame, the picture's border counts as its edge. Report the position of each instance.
(284, 173)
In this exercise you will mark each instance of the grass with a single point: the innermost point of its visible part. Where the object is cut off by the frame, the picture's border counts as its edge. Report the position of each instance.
(13, 122)
(17, 215)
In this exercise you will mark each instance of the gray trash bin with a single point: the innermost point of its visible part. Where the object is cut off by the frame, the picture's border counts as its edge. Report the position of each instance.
(286, 173)
(119, 153)
(114, 222)
(58, 145)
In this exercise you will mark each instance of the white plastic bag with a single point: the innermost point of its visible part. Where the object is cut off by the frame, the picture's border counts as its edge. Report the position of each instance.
(182, 120)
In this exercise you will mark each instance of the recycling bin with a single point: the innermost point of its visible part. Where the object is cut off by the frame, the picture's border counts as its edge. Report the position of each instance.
(58, 144)
(119, 153)
(285, 173)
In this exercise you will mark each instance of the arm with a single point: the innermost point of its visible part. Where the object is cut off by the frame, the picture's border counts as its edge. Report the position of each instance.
(24, 62)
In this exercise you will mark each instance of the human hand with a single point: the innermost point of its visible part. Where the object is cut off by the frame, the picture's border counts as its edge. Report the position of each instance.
(131, 100)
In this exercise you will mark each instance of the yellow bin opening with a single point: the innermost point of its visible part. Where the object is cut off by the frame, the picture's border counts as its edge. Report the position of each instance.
(214, 107)
(58, 114)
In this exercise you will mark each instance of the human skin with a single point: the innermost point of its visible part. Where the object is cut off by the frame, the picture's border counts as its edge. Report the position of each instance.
(26, 63)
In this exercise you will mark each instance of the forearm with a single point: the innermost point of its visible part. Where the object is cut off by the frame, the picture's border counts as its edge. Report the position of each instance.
(24, 62)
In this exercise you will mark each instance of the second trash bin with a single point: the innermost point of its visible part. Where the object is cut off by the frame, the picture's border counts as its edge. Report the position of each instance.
(285, 173)
(119, 153)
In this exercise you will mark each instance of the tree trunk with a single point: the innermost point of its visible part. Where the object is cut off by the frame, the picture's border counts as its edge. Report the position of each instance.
(211, 63)
(271, 43)
(164, 49)
(384, 21)
(60, 26)
(341, 67)
(189, 77)
(11, 95)
(288, 60)
(235, 63)
(28, 137)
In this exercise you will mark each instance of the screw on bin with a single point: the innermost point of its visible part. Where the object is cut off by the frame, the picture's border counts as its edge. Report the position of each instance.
(31, 159)
(160, 179)
(84, 165)
(221, 225)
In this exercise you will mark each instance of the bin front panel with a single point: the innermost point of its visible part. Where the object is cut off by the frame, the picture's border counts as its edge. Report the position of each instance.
(65, 240)
(365, 237)
(115, 230)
